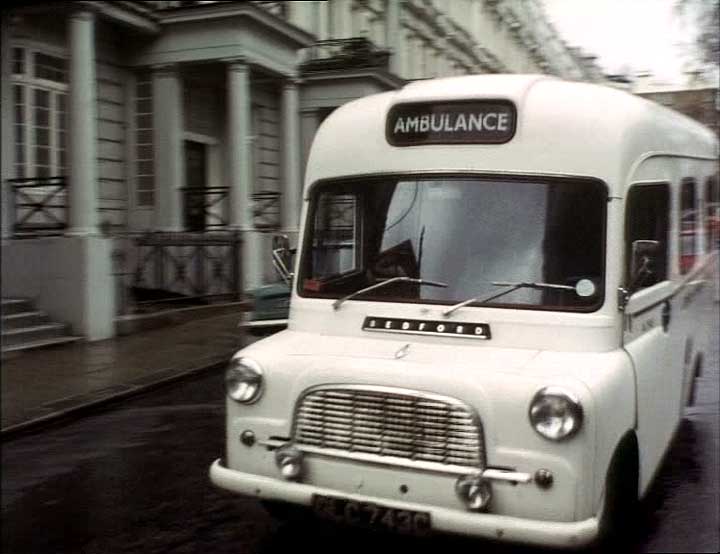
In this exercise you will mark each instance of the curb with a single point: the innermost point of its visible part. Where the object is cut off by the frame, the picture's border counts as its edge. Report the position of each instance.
(83, 404)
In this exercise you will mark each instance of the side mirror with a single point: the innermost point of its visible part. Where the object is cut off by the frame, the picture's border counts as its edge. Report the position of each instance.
(282, 257)
(642, 264)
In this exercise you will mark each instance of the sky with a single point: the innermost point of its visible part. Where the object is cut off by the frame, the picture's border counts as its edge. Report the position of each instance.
(639, 35)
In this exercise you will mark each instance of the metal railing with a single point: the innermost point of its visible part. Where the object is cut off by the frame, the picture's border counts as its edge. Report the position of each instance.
(40, 206)
(345, 53)
(266, 210)
(155, 270)
(206, 207)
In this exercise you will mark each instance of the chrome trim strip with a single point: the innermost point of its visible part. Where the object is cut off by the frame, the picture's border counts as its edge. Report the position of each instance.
(263, 323)
(503, 475)
(426, 333)
(389, 461)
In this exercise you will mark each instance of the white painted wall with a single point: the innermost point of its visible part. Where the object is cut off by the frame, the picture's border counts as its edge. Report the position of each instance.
(68, 277)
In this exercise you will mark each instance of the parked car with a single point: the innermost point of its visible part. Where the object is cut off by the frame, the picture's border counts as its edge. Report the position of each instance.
(270, 305)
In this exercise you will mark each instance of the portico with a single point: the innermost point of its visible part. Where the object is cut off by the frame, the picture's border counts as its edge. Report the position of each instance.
(252, 57)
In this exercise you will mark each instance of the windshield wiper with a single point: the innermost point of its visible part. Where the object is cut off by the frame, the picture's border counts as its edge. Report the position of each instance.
(336, 305)
(513, 287)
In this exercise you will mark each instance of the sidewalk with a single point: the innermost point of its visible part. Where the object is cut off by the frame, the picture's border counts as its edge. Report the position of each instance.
(42, 386)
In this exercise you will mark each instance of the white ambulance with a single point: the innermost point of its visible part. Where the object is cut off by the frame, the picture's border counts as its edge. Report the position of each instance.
(494, 323)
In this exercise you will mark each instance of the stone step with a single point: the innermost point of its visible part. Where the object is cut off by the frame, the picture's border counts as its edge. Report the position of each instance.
(42, 343)
(16, 306)
(23, 319)
(14, 337)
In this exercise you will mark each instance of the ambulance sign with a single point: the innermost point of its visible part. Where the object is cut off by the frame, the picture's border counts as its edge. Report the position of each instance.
(466, 122)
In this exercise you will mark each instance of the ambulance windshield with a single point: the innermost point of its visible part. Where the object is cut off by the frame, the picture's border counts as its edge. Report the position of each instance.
(467, 232)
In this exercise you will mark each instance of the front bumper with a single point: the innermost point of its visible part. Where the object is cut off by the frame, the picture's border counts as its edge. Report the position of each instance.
(512, 529)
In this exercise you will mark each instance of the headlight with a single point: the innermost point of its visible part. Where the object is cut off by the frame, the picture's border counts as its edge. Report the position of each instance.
(555, 413)
(244, 380)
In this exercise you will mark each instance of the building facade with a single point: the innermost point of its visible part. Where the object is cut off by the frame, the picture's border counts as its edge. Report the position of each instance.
(162, 120)
(698, 99)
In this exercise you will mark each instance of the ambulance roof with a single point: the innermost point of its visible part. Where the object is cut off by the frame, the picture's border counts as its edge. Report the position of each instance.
(562, 128)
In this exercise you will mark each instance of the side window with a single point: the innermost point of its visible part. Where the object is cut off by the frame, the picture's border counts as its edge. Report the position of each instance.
(712, 213)
(688, 225)
(647, 215)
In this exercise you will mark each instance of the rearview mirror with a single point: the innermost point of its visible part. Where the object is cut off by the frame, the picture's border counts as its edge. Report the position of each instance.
(642, 263)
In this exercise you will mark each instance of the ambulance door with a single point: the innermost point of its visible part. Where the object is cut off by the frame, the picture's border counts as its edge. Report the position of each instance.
(648, 319)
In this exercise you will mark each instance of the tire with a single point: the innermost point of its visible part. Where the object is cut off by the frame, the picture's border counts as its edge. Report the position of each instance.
(620, 516)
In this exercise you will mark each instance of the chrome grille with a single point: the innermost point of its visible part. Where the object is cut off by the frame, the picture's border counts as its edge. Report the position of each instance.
(390, 422)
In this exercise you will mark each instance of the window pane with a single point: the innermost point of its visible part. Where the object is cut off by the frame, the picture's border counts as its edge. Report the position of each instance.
(145, 198)
(647, 219)
(42, 117)
(42, 156)
(19, 95)
(42, 137)
(144, 141)
(712, 213)
(19, 135)
(145, 167)
(42, 98)
(144, 137)
(145, 183)
(335, 244)
(688, 225)
(455, 231)
(144, 121)
(144, 90)
(144, 106)
(50, 67)
(18, 61)
(144, 152)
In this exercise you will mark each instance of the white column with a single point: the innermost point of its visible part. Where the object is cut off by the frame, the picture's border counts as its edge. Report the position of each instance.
(240, 169)
(323, 20)
(8, 132)
(342, 16)
(82, 183)
(169, 147)
(309, 123)
(292, 181)
(394, 36)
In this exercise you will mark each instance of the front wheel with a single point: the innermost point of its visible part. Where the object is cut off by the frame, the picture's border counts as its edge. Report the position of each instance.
(619, 519)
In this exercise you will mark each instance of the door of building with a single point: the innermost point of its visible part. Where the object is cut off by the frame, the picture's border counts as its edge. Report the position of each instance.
(196, 182)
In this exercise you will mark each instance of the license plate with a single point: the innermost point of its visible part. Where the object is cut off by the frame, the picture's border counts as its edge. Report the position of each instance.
(371, 516)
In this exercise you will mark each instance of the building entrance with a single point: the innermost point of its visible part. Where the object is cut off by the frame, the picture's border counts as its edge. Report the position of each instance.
(196, 182)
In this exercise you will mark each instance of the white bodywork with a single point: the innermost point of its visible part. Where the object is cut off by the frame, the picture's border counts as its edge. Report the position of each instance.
(609, 359)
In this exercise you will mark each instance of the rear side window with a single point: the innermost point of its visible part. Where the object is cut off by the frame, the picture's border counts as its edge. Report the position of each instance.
(647, 216)
(712, 213)
(688, 225)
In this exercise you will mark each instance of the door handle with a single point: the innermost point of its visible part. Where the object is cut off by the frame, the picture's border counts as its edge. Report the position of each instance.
(666, 315)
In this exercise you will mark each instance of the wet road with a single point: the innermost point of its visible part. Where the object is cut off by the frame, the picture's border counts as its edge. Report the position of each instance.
(134, 479)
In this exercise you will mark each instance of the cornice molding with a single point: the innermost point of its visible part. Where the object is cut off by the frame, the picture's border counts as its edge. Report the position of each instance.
(223, 10)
